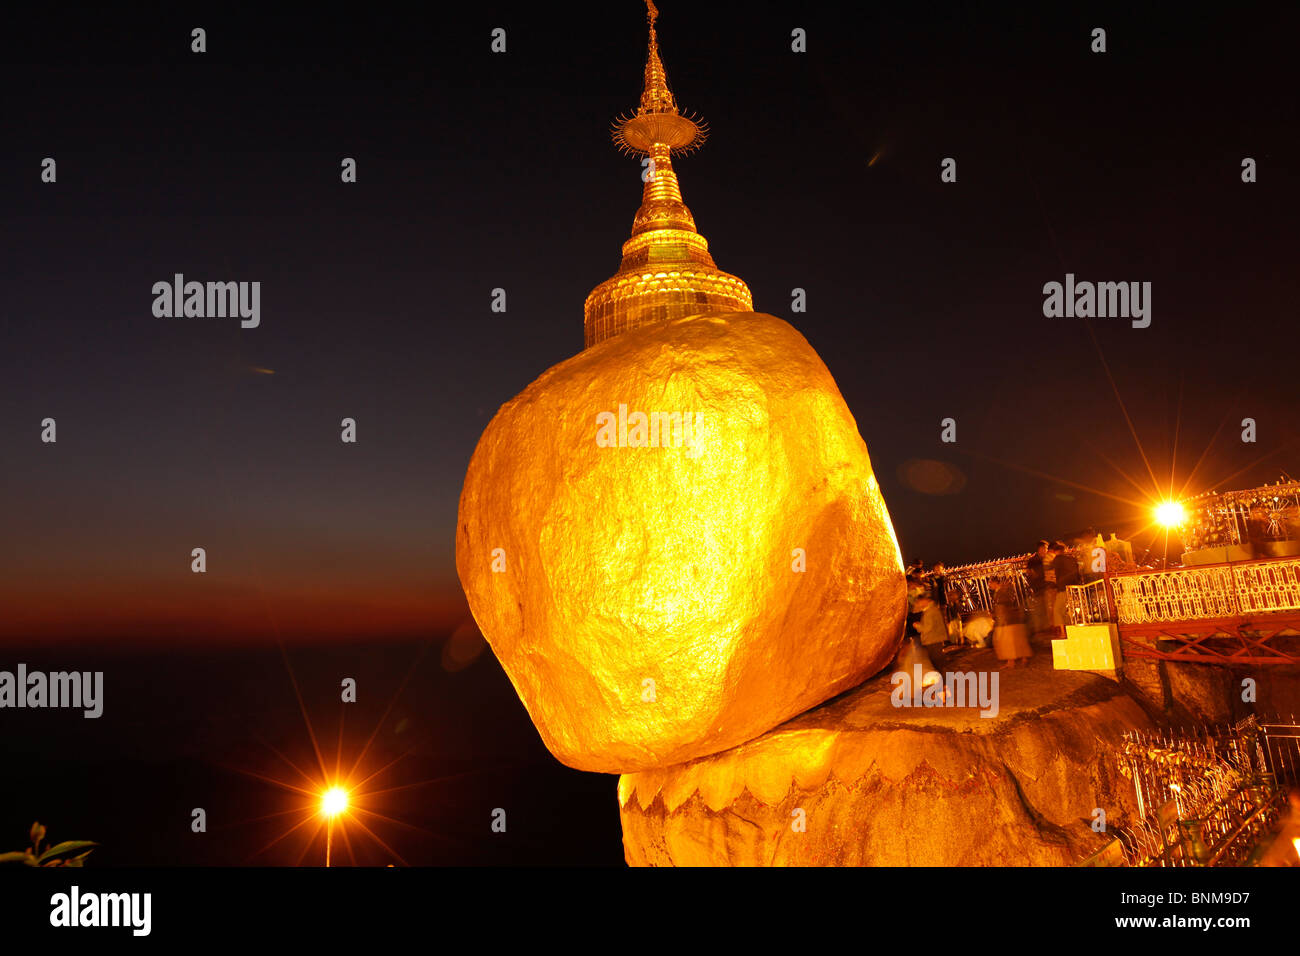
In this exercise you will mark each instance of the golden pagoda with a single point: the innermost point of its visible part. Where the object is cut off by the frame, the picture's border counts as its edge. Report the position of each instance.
(667, 272)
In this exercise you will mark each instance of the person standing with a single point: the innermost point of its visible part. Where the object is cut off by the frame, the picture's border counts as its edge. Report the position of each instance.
(1010, 638)
(915, 592)
(1067, 574)
(939, 591)
(1036, 577)
(1049, 593)
(931, 627)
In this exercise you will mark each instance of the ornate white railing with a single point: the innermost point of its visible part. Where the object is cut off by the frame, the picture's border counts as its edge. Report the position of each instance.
(1268, 586)
(1178, 595)
(1217, 591)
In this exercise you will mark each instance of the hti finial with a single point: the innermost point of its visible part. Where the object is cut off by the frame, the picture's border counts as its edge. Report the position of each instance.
(666, 272)
(657, 119)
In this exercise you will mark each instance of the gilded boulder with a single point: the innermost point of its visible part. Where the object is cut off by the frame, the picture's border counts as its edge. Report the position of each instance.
(674, 541)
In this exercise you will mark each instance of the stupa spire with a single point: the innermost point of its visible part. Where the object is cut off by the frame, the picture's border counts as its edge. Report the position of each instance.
(667, 271)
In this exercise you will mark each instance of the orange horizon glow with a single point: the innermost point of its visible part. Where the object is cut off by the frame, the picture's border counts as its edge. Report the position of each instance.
(199, 609)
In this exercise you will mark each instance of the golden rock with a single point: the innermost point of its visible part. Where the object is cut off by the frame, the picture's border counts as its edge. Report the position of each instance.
(861, 782)
(673, 542)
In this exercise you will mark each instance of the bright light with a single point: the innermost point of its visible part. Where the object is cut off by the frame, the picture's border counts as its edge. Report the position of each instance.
(333, 801)
(1170, 514)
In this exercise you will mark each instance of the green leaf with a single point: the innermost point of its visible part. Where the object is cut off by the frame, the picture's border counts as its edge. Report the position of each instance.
(18, 856)
(65, 847)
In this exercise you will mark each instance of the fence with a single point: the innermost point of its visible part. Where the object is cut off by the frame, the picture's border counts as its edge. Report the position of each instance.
(1206, 797)
(1282, 750)
(970, 586)
(1212, 592)
(1087, 603)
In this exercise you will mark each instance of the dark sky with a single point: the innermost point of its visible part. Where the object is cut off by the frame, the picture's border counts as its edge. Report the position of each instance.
(479, 171)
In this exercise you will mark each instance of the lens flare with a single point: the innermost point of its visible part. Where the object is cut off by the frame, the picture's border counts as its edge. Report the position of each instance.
(333, 801)
(1170, 514)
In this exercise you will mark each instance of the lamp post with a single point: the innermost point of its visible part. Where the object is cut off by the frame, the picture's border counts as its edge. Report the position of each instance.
(1170, 514)
(333, 802)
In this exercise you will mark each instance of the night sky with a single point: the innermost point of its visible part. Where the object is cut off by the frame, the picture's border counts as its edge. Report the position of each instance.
(478, 171)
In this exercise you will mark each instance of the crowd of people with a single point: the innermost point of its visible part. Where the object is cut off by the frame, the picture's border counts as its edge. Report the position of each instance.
(1018, 611)
(1016, 600)
(930, 621)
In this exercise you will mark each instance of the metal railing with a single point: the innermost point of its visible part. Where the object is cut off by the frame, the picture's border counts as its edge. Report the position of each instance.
(970, 586)
(1265, 587)
(1207, 797)
(1160, 761)
(1212, 592)
(1087, 603)
(1178, 595)
(1282, 750)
